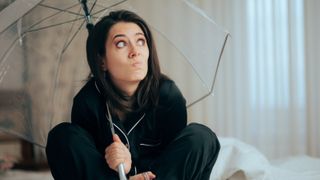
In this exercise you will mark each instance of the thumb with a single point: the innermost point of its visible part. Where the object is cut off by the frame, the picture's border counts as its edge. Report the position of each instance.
(116, 138)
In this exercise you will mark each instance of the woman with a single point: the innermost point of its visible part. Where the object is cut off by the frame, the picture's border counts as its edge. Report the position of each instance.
(148, 111)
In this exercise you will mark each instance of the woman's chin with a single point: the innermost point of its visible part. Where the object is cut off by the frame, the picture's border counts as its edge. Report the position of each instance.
(138, 76)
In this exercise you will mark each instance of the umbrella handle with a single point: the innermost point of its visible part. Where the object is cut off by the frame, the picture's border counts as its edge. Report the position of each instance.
(122, 174)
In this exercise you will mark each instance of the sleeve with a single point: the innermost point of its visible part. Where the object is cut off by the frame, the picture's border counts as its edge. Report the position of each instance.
(173, 113)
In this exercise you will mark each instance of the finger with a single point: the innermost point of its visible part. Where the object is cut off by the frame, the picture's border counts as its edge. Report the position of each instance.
(151, 175)
(114, 158)
(115, 147)
(116, 138)
(145, 176)
(115, 155)
(148, 175)
(136, 177)
(114, 162)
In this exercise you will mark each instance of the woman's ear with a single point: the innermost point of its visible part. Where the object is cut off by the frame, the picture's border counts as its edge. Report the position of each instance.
(103, 64)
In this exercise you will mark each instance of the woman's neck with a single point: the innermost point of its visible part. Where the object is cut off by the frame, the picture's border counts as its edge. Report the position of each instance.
(128, 89)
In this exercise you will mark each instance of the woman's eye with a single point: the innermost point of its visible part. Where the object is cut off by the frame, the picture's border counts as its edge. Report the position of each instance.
(120, 44)
(141, 42)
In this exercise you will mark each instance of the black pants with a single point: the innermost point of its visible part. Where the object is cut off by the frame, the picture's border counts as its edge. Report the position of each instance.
(72, 154)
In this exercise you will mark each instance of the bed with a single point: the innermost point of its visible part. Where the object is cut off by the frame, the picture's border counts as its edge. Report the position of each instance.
(240, 161)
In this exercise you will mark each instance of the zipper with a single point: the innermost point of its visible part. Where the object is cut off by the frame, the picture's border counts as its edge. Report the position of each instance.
(150, 145)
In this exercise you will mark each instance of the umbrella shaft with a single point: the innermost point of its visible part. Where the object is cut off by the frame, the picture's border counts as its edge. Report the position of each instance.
(86, 11)
(122, 174)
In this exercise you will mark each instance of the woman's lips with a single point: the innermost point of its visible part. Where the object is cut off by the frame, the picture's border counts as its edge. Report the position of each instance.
(137, 64)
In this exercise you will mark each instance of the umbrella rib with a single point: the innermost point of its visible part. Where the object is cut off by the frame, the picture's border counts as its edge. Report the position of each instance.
(215, 75)
(218, 64)
(53, 25)
(65, 10)
(3, 57)
(61, 10)
(74, 35)
(94, 4)
(44, 27)
(113, 5)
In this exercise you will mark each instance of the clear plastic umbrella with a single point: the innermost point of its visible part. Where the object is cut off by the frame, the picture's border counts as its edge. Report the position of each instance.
(43, 60)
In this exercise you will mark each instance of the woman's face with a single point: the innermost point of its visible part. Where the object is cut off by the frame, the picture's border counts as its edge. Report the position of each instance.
(127, 54)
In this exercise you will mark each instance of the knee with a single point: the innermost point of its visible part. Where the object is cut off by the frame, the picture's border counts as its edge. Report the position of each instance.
(62, 136)
(59, 133)
(201, 136)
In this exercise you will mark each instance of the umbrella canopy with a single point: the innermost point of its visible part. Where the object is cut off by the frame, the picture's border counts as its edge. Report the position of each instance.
(43, 60)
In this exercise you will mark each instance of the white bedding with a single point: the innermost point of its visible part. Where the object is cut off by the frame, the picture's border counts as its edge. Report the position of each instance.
(240, 161)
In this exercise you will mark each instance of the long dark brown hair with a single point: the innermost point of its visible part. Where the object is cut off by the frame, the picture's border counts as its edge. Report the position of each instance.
(146, 95)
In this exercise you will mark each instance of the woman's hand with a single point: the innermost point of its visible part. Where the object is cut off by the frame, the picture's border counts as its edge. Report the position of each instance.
(117, 153)
(143, 176)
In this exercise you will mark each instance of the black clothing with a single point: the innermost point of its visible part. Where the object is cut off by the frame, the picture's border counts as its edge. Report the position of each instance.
(72, 155)
(158, 139)
(146, 133)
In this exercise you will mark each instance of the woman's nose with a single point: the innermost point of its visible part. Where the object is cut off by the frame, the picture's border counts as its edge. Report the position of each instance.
(133, 51)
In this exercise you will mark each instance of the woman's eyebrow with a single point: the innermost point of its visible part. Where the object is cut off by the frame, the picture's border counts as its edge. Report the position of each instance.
(140, 33)
(123, 35)
(119, 35)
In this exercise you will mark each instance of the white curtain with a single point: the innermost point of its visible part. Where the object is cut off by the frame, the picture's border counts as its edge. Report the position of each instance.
(267, 87)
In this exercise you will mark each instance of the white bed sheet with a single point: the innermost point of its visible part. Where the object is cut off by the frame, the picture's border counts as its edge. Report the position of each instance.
(240, 161)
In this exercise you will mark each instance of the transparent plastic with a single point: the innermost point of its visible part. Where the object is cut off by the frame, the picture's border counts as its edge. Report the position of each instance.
(43, 59)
